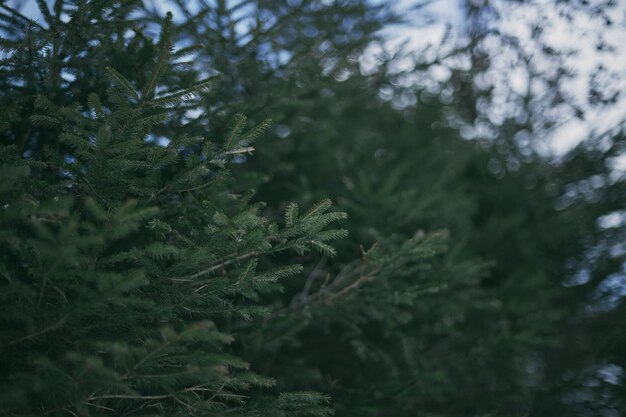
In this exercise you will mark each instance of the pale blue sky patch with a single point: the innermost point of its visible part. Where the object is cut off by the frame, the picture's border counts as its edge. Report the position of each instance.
(438, 27)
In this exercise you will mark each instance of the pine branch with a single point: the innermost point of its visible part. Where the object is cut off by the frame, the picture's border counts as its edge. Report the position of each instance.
(43, 8)
(238, 125)
(121, 81)
(164, 53)
(215, 267)
(20, 16)
(51, 327)
(363, 278)
(176, 97)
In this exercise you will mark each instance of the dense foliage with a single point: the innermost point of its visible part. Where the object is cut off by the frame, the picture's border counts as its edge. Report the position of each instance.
(157, 260)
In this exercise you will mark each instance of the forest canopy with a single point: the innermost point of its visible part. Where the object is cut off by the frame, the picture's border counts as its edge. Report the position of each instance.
(277, 208)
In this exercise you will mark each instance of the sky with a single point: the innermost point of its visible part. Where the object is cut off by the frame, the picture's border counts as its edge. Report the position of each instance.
(441, 18)
(580, 34)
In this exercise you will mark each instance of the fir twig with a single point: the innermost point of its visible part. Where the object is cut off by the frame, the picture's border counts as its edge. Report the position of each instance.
(51, 327)
(220, 265)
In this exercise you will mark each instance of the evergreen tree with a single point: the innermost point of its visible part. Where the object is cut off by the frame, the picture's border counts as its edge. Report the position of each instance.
(126, 263)
(143, 276)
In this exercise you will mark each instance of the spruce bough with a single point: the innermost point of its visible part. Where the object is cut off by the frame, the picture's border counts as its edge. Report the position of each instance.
(125, 262)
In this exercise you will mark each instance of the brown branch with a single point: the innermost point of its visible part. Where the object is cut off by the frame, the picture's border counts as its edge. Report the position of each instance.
(325, 294)
(362, 279)
(216, 267)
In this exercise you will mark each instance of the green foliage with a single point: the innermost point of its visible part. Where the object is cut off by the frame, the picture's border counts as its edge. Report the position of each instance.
(141, 273)
(125, 263)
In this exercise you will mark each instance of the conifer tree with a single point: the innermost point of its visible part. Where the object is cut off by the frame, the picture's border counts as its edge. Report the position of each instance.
(126, 262)
(141, 275)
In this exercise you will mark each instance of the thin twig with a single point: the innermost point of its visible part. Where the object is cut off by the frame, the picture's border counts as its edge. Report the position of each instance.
(355, 284)
(39, 333)
(216, 267)
(302, 296)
